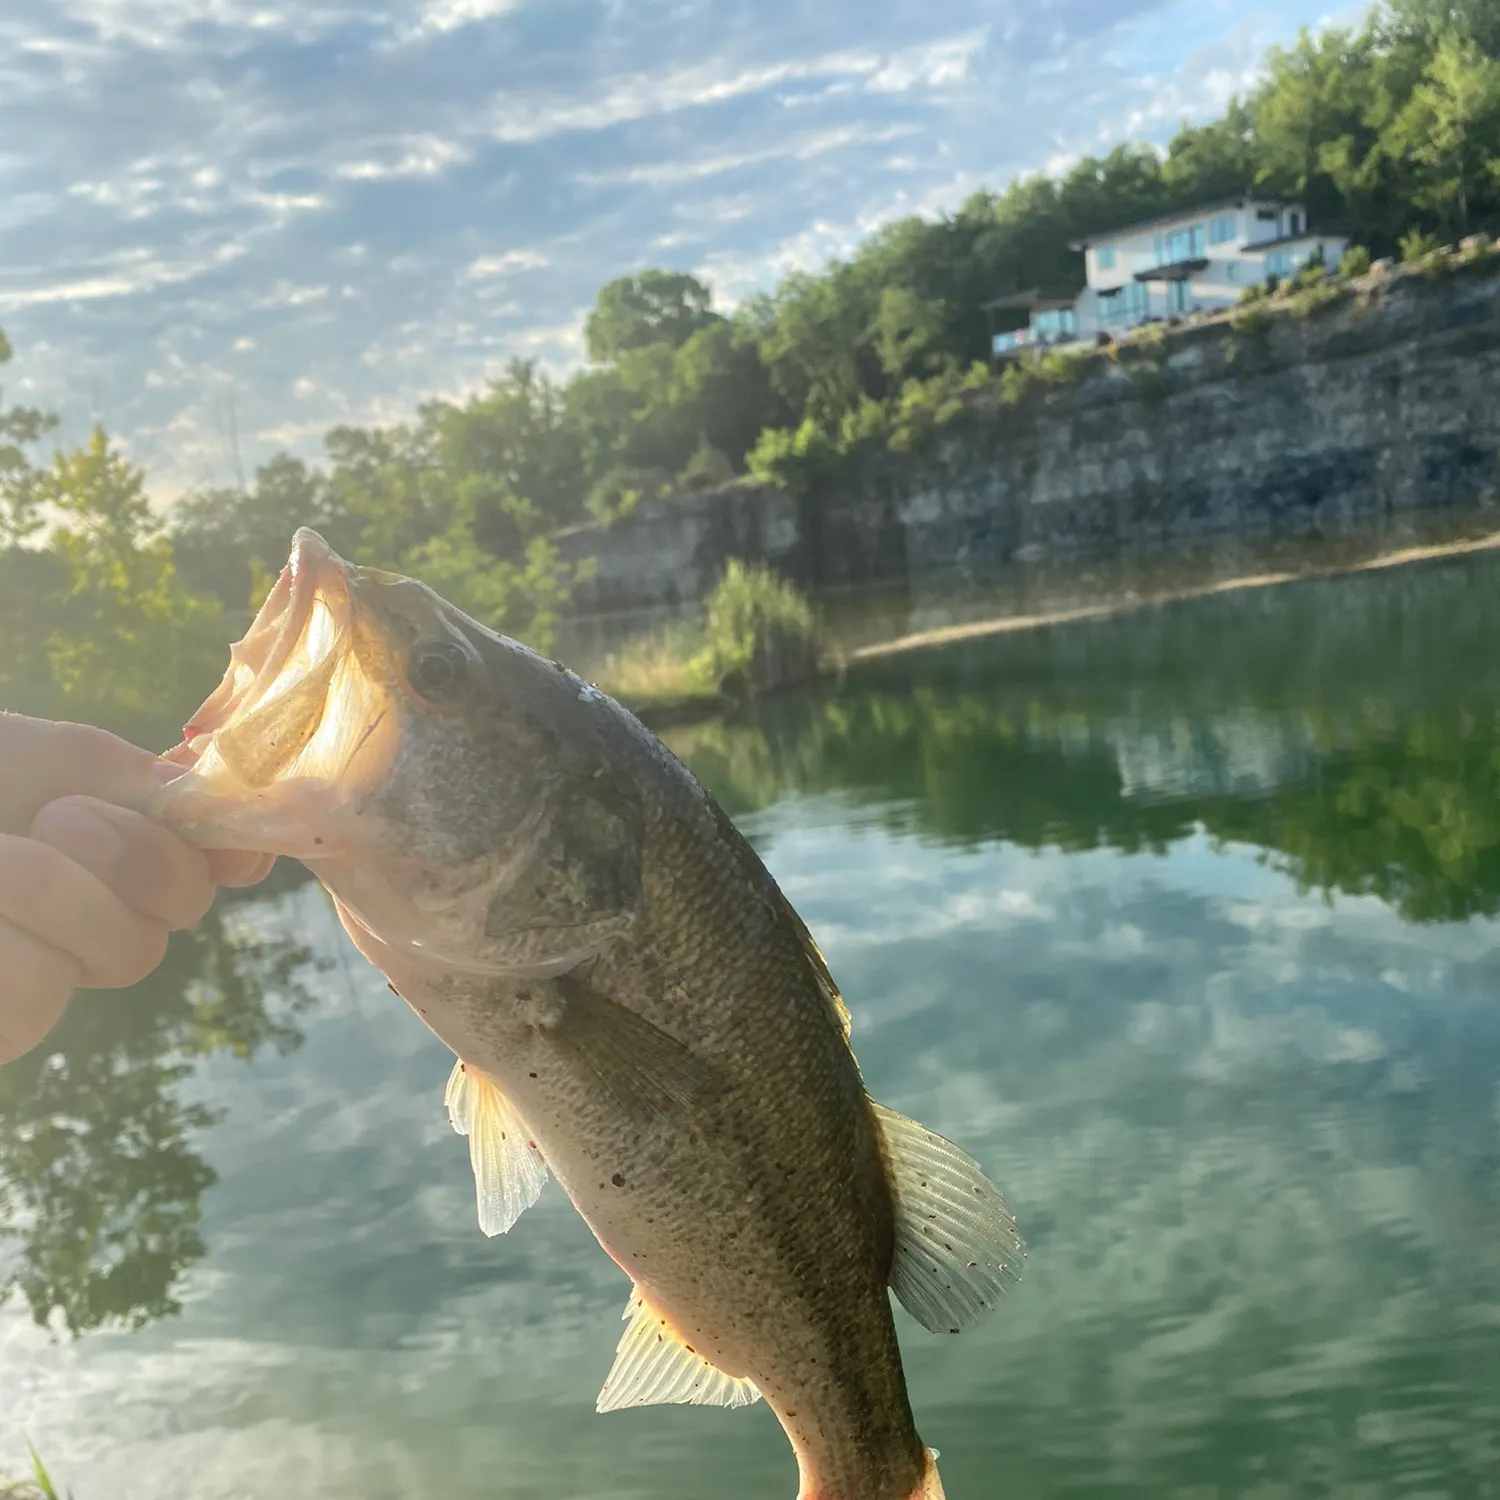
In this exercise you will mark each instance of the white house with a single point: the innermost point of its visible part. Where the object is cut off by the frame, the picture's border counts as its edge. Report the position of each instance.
(1177, 264)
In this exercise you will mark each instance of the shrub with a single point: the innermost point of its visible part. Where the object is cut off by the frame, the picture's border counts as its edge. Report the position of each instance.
(760, 633)
(1417, 245)
(1355, 262)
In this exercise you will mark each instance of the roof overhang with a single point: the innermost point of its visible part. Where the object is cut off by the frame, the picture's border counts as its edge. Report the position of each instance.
(1179, 270)
(1281, 241)
(1239, 200)
(1033, 300)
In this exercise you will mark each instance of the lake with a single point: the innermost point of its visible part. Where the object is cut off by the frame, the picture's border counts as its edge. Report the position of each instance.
(1183, 923)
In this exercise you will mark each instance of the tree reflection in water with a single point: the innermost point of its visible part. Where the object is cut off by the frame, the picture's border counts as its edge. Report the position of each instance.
(101, 1180)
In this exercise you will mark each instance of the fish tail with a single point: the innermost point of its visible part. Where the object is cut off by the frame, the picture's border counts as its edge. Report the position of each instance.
(931, 1487)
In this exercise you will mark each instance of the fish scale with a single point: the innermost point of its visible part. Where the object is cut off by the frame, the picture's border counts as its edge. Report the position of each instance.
(633, 1006)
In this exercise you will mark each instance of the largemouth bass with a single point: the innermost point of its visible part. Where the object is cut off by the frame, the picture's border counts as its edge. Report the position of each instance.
(634, 1006)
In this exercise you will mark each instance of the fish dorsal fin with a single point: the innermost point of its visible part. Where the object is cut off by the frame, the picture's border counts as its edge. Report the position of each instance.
(509, 1172)
(957, 1249)
(654, 1366)
(824, 980)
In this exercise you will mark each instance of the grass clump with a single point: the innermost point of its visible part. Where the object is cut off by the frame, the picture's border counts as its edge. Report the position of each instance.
(758, 633)
(1417, 245)
(1312, 289)
(1050, 369)
(38, 1487)
(1355, 262)
(1252, 315)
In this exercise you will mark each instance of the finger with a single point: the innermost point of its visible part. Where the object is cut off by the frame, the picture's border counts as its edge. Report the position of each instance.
(59, 902)
(149, 868)
(45, 760)
(35, 983)
(234, 867)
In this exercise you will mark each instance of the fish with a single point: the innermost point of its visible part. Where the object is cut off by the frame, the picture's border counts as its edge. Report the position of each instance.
(633, 1005)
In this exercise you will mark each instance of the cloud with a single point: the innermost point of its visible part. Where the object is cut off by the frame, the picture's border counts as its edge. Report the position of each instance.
(507, 261)
(279, 189)
(412, 156)
(1249, 1139)
(449, 15)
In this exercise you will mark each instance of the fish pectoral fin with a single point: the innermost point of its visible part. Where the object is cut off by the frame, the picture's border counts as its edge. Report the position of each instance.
(654, 1366)
(649, 1074)
(509, 1172)
(957, 1249)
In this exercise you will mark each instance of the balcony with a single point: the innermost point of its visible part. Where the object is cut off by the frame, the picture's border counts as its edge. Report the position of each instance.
(1002, 345)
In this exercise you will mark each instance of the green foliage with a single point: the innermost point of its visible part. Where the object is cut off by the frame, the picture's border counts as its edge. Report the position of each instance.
(1417, 245)
(99, 625)
(38, 1487)
(1031, 374)
(757, 634)
(101, 1180)
(20, 428)
(653, 307)
(1389, 130)
(793, 458)
(1251, 317)
(43, 1478)
(1355, 262)
(707, 469)
(1446, 125)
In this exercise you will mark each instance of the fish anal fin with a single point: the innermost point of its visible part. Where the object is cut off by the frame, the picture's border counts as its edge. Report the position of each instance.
(509, 1172)
(957, 1248)
(654, 1366)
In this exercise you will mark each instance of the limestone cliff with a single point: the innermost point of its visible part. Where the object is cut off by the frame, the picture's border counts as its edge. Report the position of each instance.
(1327, 406)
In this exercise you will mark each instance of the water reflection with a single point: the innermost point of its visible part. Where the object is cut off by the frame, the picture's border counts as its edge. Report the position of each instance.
(101, 1174)
(1349, 730)
(1181, 924)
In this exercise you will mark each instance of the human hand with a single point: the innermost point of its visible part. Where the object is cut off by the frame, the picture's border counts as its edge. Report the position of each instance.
(88, 889)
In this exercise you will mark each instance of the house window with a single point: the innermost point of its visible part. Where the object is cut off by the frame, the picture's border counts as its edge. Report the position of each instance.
(1294, 223)
(1266, 215)
(1137, 300)
(1104, 257)
(1221, 230)
(1056, 322)
(1185, 244)
(1179, 296)
(1279, 263)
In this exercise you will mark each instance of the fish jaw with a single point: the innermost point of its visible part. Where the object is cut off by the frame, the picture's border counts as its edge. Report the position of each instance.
(283, 755)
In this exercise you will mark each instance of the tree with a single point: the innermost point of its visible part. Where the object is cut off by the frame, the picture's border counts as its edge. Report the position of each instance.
(231, 543)
(515, 433)
(20, 427)
(909, 334)
(128, 645)
(101, 1180)
(651, 307)
(1447, 125)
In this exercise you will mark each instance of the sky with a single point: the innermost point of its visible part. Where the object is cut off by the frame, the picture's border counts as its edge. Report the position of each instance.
(227, 225)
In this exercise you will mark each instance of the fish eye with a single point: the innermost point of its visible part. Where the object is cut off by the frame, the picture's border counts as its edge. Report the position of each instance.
(437, 667)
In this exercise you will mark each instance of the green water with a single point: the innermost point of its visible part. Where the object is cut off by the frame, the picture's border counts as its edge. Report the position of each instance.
(1184, 925)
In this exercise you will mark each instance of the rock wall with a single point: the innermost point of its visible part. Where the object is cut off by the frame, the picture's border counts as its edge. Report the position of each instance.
(1278, 421)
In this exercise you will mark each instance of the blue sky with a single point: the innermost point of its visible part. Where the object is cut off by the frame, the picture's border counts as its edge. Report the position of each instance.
(277, 215)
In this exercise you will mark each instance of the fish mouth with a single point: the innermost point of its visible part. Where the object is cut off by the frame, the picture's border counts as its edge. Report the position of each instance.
(271, 750)
(261, 664)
